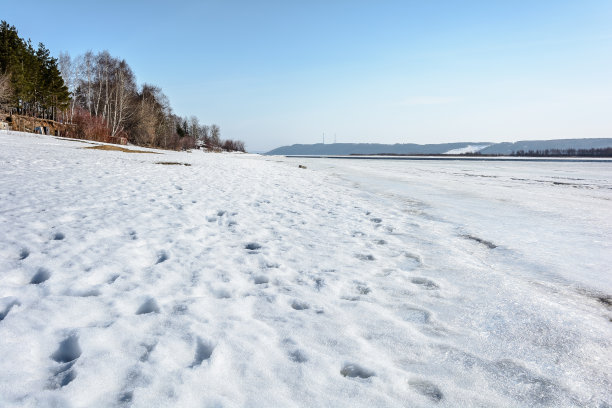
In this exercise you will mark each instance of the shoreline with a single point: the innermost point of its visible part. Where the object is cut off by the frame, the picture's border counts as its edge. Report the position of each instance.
(457, 158)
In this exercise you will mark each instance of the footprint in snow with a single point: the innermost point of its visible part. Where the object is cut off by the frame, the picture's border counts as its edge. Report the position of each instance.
(113, 278)
(298, 356)
(411, 261)
(365, 257)
(149, 306)
(252, 246)
(68, 350)
(298, 305)
(376, 220)
(413, 257)
(92, 292)
(427, 389)
(66, 355)
(162, 256)
(319, 283)
(415, 315)
(425, 283)
(8, 306)
(148, 349)
(204, 350)
(42, 275)
(221, 293)
(180, 309)
(126, 397)
(260, 279)
(23, 253)
(350, 298)
(270, 265)
(356, 371)
(58, 236)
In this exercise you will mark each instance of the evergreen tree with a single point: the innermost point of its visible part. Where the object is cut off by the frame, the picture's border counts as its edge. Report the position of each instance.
(37, 85)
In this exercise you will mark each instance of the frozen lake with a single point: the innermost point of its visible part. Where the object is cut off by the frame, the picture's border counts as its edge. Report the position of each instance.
(555, 212)
(245, 281)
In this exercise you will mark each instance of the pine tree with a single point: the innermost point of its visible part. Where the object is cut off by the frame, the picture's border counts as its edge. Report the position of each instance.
(37, 85)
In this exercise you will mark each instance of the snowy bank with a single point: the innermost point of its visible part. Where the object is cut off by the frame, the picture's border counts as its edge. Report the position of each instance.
(243, 280)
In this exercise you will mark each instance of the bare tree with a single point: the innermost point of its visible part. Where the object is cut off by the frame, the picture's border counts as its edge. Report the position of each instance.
(233, 145)
(143, 124)
(205, 135)
(107, 88)
(86, 67)
(122, 92)
(215, 136)
(70, 73)
(149, 125)
(194, 127)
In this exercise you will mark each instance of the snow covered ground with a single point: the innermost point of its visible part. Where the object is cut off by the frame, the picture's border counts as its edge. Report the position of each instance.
(468, 149)
(243, 280)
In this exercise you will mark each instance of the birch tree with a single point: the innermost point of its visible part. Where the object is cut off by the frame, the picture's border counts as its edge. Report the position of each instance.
(70, 72)
(215, 136)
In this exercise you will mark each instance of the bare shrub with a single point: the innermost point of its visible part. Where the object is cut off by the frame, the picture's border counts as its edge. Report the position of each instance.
(187, 142)
(89, 127)
(233, 145)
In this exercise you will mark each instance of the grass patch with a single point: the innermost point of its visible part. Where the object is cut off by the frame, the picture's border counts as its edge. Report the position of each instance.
(73, 140)
(117, 148)
(173, 163)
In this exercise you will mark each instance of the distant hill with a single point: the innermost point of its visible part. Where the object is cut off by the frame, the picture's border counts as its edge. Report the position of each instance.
(561, 144)
(345, 149)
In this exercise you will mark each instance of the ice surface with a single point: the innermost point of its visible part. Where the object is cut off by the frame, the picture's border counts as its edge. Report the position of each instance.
(243, 280)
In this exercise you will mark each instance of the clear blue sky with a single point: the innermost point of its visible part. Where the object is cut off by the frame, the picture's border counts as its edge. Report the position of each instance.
(274, 73)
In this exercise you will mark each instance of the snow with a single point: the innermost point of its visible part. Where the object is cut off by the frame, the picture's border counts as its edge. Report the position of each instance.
(243, 280)
(468, 149)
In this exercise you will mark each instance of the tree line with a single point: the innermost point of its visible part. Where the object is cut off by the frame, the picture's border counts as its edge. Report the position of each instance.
(602, 152)
(98, 94)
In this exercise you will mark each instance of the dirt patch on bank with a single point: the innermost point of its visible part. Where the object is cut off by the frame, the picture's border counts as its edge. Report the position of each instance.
(117, 148)
(173, 163)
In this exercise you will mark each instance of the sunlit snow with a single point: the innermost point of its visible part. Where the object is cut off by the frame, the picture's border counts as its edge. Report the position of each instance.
(244, 280)
(468, 149)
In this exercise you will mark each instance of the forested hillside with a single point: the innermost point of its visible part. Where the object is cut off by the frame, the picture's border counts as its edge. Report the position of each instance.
(98, 94)
(589, 147)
